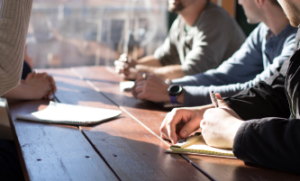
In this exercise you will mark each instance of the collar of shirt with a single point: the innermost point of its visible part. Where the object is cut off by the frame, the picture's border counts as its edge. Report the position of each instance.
(270, 35)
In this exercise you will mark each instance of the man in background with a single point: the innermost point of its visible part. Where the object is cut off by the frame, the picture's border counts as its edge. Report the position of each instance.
(200, 38)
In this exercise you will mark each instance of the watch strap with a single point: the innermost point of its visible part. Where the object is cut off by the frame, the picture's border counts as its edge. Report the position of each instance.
(173, 99)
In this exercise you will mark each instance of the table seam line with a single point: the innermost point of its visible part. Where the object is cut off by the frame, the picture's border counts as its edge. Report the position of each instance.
(142, 124)
(98, 152)
(89, 141)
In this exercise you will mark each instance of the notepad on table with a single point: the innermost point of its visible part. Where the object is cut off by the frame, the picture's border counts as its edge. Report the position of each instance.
(196, 145)
(58, 113)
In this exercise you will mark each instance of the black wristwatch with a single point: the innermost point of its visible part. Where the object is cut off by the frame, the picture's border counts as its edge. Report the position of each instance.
(174, 91)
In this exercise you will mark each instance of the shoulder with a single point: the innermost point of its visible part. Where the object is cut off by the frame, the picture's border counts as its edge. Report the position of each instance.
(178, 22)
(259, 32)
(290, 34)
(215, 14)
(214, 18)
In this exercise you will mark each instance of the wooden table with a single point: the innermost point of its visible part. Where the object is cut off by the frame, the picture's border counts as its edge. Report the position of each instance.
(126, 148)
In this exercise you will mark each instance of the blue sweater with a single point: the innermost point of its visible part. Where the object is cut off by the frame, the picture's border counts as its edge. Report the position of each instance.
(255, 61)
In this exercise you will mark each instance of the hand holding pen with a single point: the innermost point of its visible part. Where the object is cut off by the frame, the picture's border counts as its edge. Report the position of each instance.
(220, 103)
(214, 99)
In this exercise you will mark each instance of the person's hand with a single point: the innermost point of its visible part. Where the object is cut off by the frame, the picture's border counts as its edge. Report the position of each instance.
(219, 125)
(125, 66)
(40, 85)
(150, 87)
(180, 123)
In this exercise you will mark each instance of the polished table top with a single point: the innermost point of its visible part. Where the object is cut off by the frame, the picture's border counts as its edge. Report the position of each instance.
(126, 148)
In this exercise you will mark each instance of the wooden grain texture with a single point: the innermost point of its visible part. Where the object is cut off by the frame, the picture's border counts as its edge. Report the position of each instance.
(130, 149)
(151, 115)
(105, 80)
(55, 152)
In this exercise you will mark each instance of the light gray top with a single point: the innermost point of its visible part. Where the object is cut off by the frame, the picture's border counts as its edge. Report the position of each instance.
(14, 20)
(213, 38)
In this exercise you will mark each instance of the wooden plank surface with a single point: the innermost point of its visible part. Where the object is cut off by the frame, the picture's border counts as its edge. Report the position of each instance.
(130, 149)
(55, 152)
(106, 81)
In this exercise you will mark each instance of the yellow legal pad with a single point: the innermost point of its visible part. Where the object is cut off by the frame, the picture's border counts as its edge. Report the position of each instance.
(196, 145)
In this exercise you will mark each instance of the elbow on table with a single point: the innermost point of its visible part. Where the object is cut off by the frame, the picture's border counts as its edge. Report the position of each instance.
(8, 82)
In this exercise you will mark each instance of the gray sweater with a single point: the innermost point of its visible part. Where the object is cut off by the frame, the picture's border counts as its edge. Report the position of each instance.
(213, 38)
(14, 20)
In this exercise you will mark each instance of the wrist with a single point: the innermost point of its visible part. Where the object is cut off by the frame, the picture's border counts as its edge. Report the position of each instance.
(180, 97)
(168, 82)
(166, 98)
(27, 91)
(235, 128)
(144, 69)
(175, 93)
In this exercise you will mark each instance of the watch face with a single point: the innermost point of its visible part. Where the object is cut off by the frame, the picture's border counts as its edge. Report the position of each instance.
(174, 90)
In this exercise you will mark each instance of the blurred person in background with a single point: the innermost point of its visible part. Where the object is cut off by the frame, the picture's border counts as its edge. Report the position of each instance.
(201, 38)
(266, 48)
(33, 85)
(14, 20)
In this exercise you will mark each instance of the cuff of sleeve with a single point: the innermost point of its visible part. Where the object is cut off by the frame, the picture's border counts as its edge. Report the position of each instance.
(188, 70)
(235, 108)
(196, 96)
(157, 55)
(238, 149)
(184, 81)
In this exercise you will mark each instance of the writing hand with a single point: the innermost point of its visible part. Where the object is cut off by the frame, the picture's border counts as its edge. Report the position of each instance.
(219, 125)
(181, 122)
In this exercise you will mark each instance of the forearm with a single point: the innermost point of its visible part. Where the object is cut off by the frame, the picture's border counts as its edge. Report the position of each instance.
(199, 95)
(167, 72)
(260, 101)
(14, 20)
(20, 92)
(269, 142)
(149, 61)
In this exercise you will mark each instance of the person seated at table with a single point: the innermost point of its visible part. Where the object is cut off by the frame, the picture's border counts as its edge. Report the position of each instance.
(27, 64)
(261, 123)
(33, 85)
(265, 49)
(200, 28)
(14, 20)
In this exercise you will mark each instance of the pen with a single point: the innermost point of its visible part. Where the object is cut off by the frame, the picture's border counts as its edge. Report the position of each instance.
(214, 99)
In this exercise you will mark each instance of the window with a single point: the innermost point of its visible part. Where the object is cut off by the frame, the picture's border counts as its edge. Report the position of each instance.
(94, 32)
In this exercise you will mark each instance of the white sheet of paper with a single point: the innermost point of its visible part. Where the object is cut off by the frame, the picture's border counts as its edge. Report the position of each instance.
(70, 114)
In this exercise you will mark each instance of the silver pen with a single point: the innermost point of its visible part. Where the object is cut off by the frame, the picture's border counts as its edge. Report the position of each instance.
(214, 99)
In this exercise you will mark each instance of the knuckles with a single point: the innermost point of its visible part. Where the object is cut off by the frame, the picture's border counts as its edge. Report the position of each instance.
(176, 111)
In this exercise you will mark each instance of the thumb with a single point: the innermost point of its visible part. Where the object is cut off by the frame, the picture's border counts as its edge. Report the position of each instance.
(221, 102)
